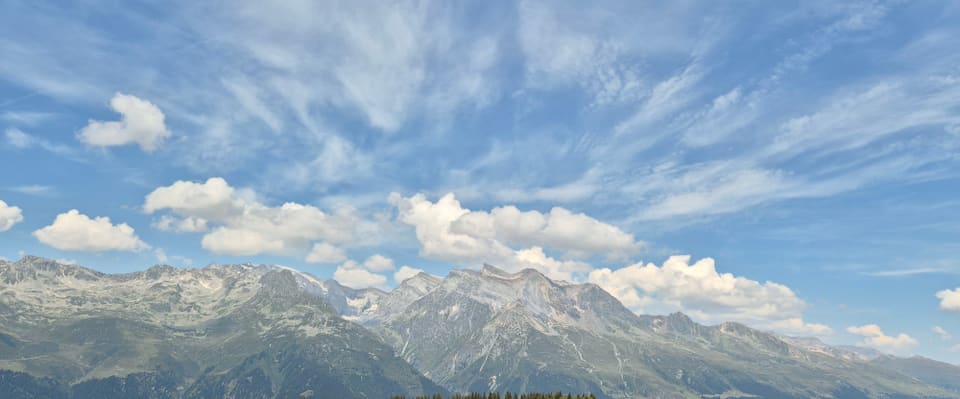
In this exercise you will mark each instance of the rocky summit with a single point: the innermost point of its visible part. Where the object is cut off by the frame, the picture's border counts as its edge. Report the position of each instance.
(494, 330)
(258, 331)
(238, 331)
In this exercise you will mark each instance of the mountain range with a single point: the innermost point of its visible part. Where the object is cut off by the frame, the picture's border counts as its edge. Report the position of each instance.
(260, 331)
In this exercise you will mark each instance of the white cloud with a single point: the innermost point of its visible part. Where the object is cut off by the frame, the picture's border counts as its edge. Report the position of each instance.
(336, 160)
(705, 294)
(877, 339)
(180, 225)
(796, 326)
(161, 255)
(726, 114)
(379, 263)
(26, 117)
(21, 140)
(450, 232)
(353, 275)
(944, 335)
(949, 300)
(576, 234)
(33, 189)
(9, 216)
(445, 227)
(535, 258)
(78, 232)
(906, 272)
(558, 53)
(241, 242)
(18, 139)
(854, 136)
(405, 272)
(141, 123)
(381, 65)
(432, 223)
(213, 199)
(323, 252)
(715, 189)
(362, 275)
(667, 97)
(248, 95)
(861, 116)
(241, 225)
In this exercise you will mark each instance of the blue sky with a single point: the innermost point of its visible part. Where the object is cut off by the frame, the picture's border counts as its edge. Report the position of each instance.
(804, 155)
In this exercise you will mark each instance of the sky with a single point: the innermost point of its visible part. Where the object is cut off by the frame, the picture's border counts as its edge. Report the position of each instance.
(794, 166)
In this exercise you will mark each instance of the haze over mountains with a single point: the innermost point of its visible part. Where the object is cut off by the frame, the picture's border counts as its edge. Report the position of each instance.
(248, 331)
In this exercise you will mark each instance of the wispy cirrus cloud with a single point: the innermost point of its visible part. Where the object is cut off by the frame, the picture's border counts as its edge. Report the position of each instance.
(19, 140)
(33, 189)
(907, 272)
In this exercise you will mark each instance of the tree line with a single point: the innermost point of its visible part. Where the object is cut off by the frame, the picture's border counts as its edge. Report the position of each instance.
(507, 395)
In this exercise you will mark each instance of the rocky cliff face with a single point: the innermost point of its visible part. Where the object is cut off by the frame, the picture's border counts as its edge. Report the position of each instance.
(489, 329)
(247, 331)
(238, 331)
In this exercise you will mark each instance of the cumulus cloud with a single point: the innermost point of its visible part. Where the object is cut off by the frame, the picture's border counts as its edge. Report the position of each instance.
(944, 335)
(353, 275)
(77, 232)
(240, 242)
(535, 258)
(9, 216)
(323, 252)
(379, 263)
(405, 272)
(576, 234)
(141, 123)
(212, 199)
(241, 225)
(367, 274)
(950, 300)
(705, 294)
(877, 339)
(432, 223)
(515, 239)
(448, 231)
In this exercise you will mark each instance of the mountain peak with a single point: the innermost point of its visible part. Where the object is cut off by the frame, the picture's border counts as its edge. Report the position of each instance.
(158, 271)
(421, 282)
(33, 259)
(41, 262)
(492, 270)
(34, 267)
